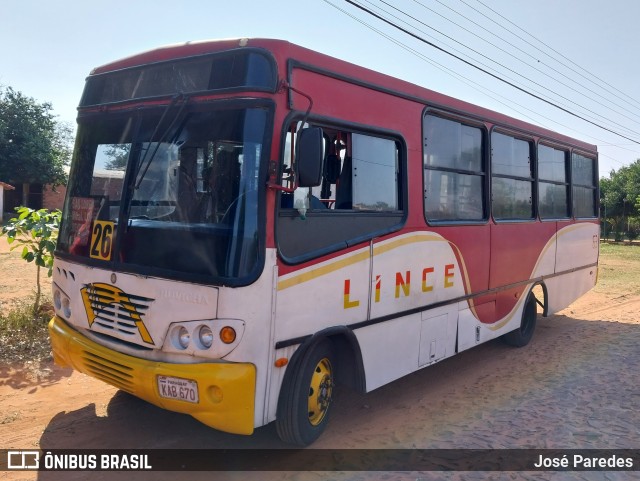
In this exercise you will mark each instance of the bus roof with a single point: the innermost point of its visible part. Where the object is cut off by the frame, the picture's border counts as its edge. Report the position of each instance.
(283, 50)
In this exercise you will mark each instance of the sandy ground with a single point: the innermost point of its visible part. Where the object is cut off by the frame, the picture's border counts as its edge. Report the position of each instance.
(576, 385)
(17, 278)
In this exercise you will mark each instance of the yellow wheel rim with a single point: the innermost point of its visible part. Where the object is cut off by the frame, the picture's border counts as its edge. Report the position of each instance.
(320, 391)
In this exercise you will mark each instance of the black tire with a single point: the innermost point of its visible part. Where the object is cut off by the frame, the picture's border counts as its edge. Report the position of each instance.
(306, 396)
(521, 336)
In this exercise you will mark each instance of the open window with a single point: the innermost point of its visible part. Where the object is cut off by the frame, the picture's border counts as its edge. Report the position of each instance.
(361, 173)
(361, 194)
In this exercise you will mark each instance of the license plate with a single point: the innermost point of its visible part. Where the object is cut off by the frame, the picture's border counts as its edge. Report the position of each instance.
(178, 388)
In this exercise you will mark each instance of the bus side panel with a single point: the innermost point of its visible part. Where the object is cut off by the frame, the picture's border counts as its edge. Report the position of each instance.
(325, 294)
(565, 289)
(470, 244)
(578, 246)
(389, 349)
(275, 383)
(395, 348)
(350, 102)
(517, 250)
(414, 270)
(471, 328)
(438, 329)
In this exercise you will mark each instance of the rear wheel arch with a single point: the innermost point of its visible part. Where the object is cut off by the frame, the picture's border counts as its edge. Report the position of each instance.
(541, 293)
(522, 335)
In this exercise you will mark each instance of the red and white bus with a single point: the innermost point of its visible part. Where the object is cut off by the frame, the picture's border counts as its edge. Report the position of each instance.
(249, 223)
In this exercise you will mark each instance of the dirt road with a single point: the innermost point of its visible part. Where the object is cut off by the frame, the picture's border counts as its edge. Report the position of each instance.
(575, 386)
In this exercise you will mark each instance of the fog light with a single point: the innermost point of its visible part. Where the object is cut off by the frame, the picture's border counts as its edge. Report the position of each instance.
(205, 335)
(183, 337)
(227, 334)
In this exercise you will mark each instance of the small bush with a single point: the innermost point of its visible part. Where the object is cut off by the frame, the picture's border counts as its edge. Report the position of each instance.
(24, 335)
(36, 231)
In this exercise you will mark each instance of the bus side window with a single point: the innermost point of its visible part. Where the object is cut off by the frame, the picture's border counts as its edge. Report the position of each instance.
(453, 170)
(553, 182)
(374, 174)
(361, 195)
(584, 181)
(361, 173)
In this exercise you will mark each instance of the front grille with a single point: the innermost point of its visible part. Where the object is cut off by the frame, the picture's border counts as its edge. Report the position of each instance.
(113, 373)
(118, 314)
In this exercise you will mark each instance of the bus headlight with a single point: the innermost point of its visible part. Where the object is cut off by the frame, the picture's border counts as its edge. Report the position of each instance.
(183, 337)
(210, 338)
(180, 337)
(205, 335)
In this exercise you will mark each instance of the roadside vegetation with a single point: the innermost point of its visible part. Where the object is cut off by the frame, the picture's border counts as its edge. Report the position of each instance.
(619, 269)
(23, 334)
(620, 204)
(36, 232)
(23, 328)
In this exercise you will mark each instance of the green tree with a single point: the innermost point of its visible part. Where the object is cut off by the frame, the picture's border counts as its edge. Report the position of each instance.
(118, 154)
(34, 147)
(36, 232)
(619, 196)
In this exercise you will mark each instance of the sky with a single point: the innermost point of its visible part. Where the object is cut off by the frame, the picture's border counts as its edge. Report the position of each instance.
(48, 49)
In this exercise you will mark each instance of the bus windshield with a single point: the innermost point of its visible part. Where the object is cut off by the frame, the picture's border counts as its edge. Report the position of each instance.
(176, 197)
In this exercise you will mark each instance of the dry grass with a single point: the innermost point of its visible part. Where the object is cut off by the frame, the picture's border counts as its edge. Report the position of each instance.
(619, 270)
(23, 334)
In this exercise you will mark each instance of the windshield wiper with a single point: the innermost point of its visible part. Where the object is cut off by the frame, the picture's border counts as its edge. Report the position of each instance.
(143, 168)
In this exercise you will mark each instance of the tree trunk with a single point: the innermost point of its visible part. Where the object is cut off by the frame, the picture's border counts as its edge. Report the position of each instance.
(36, 306)
(25, 195)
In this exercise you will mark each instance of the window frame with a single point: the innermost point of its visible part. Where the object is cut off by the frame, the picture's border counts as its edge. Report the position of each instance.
(567, 183)
(371, 218)
(594, 185)
(533, 168)
(200, 107)
(484, 174)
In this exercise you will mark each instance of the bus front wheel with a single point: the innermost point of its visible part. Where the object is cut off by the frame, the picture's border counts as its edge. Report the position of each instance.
(306, 396)
(521, 336)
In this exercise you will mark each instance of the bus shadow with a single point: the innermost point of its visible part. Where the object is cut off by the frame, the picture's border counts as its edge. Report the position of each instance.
(130, 422)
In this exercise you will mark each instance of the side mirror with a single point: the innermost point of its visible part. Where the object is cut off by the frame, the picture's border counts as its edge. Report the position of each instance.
(309, 157)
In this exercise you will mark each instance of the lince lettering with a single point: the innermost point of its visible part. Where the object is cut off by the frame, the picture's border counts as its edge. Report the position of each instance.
(402, 285)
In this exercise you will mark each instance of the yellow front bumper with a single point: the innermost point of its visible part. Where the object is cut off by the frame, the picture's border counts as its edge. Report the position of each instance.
(226, 391)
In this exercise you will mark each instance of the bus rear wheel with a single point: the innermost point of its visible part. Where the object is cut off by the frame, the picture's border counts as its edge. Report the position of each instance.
(521, 336)
(306, 396)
